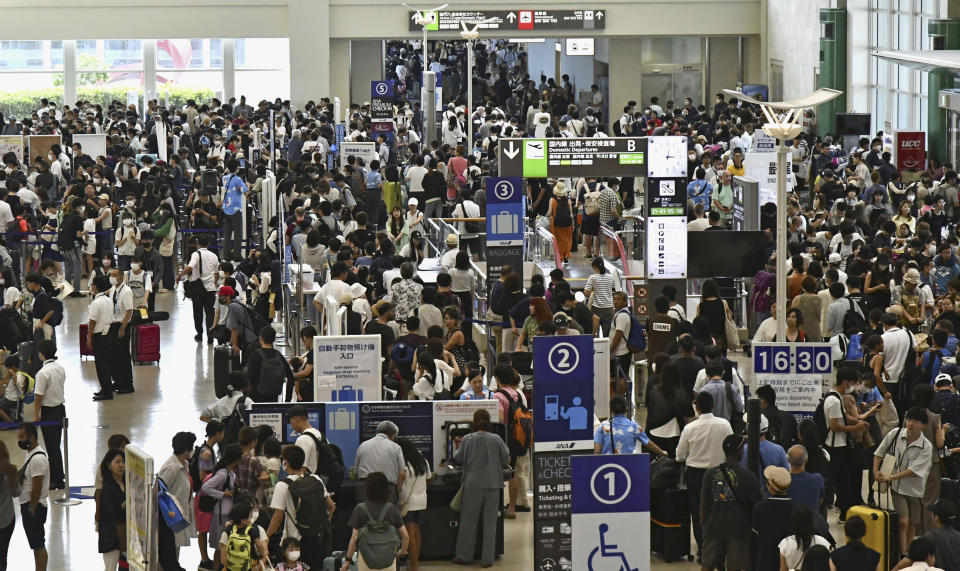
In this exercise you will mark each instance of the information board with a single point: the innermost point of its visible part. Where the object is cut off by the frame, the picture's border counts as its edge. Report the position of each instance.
(366, 151)
(413, 418)
(12, 144)
(795, 371)
(141, 508)
(347, 368)
(667, 197)
(552, 529)
(510, 20)
(573, 157)
(611, 512)
(506, 223)
(666, 247)
(762, 167)
(563, 374)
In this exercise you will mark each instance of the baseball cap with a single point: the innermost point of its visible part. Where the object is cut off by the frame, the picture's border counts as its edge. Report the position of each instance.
(416, 235)
(413, 201)
(227, 290)
(835, 258)
(561, 319)
(777, 477)
(731, 443)
(943, 380)
(104, 196)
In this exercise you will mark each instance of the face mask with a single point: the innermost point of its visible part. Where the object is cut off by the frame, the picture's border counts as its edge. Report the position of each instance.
(97, 181)
(254, 515)
(113, 281)
(106, 263)
(222, 273)
(23, 444)
(692, 157)
(293, 555)
(135, 267)
(128, 222)
(3, 281)
(850, 390)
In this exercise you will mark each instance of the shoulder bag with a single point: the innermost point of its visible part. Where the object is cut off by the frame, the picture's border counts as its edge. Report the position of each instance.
(731, 332)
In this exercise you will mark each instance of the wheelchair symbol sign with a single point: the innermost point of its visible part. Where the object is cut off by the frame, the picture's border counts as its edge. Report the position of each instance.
(610, 484)
(563, 358)
(504, 190)
(607, 550)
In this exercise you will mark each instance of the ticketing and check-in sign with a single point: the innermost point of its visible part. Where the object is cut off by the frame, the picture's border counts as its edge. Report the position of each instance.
(573, 157)
(795, 371)
(563, 373)
(610, 509)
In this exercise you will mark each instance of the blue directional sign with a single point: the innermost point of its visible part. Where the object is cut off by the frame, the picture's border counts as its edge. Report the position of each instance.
(381, 89)
(505, 224)
(563, 374)
(611, 512)
(504, 189)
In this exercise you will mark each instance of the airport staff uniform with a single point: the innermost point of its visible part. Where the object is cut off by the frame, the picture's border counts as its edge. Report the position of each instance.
(121, 368)
(101, 312)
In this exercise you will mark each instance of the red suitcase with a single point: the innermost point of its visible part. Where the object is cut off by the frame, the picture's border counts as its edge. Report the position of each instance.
(85, 349)
(146, 343)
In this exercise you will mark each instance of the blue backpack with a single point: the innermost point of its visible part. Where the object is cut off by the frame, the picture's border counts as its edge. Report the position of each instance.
(637, 339)
(855, 347)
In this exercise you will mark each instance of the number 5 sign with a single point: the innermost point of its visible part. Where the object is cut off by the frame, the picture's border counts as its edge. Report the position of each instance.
(795, 371)
(563, 374)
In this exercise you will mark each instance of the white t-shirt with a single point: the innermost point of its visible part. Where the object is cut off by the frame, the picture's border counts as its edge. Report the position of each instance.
(11, 296)
(621, 322)
(413, 495)
(283, 500)
(129, 247)
(89, 240)
(896, 343)
(35, 467)
(792, 551)
(15, 387)
(309, 448)
(832, 408)
(416, 174)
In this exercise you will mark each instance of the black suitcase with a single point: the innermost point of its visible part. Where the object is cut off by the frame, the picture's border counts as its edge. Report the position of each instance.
(224, 362)
(670, 524)
(13, 329)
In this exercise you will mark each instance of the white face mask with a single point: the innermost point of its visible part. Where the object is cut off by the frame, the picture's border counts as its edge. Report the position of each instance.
(113, 281)
(850, 390)
(97, 181)
(254, 515)
(130, 203)
(135, 267)
(127, 222)
(106, 263)
(293, 555)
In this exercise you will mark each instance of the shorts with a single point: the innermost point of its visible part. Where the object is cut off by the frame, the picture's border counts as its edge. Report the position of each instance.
(202, 519)
(33, 525)
(736, 552)
(621, 364)
(907, 507)
(9, 406)
(417, 517)
(590, 225)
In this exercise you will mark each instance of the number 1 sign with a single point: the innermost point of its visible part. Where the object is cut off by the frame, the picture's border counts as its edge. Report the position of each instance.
(795, 371)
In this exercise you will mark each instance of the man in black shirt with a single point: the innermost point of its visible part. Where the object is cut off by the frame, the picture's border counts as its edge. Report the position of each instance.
(688, 363)
(262, 359)
(579, 312)
(727, 498)
(71, 232)
(385, 312)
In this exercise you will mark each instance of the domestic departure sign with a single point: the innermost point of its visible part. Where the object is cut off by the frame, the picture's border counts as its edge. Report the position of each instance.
(795, 371)
(573, 157)
(509, 20)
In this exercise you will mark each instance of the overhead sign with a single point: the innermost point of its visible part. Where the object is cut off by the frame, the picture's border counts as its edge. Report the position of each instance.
(381, 101)
(911, 150)
(346, 368)
(563, 373)
(795, 371)
(506, 220)
(579, 46)
(509, 20)
(611, 511)
(573, 157)
(381, 89)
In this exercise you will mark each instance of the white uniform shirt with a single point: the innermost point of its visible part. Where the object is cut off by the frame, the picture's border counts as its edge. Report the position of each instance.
(205, 264)
(309, 448)
(49, 385)
(122, 297)
(701, 441)
(101, 311)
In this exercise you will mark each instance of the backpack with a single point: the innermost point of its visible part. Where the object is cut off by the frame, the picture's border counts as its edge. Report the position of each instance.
(853, 323)
(561, 215)
(911, 302)
(637, 338)
(615, 128)
(330, 465)
(57, 317)
(239, 548)
(194, 466)
(273, 373)
(444, 393)
(591, 201)
(855, 347)
(820, 418)
(209, 181)
(310, 506)
(469, 227)
(764, 291)
(402, 354)
(234, 422)
(378, 540)
(28, 389)
(911, 371)
(519, 425)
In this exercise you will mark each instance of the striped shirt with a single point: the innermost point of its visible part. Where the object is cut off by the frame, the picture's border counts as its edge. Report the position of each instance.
(602, 286)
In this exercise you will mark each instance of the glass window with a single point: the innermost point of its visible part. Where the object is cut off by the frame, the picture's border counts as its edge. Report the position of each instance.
(30, 71)
(263, 68)
(190, 54)
(110, 55)
(905, 32)
(883, 31)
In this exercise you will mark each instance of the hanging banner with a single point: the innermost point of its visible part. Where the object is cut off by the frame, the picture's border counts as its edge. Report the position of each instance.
(141, 508)
(347, 368)
(160, 129)
(12, 144)
(911, 150)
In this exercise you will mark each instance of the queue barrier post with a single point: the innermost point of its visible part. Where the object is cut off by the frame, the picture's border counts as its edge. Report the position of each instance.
(66, 500)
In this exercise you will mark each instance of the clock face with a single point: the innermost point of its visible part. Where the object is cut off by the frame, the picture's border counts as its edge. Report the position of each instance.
(667, 157)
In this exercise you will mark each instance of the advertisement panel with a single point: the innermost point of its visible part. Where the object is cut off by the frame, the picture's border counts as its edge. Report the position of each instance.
(911, 150)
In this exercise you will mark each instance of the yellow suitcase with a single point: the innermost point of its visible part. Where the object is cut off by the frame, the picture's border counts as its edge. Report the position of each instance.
(882, 532)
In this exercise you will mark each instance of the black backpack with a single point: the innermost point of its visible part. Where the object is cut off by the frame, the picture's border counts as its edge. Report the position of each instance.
(820, 417)
(273, 373)
(853, 322)
(912, 373)
(562, 217)
(330, 465)
(194, 466)
(310, 506)
(234, 422)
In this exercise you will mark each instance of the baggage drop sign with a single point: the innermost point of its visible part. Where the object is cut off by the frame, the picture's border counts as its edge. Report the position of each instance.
(352, 362)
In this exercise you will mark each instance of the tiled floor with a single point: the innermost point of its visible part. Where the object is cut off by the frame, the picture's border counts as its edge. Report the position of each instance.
(168, 399)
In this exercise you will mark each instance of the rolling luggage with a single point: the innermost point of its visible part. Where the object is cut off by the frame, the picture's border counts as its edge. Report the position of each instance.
(85, 349)
(670, 524)
(146, 343)
(455, 432)
(335, 561)
(224, 362)
(882, 532)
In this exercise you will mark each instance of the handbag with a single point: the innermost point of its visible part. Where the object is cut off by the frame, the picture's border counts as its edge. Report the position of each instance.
(170, 508)
(194, 288)
(457, 500)
(166, 244)
(731, 332)
(121, 531)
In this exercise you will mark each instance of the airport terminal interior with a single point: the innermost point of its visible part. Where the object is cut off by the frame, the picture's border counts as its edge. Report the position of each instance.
(618, 285)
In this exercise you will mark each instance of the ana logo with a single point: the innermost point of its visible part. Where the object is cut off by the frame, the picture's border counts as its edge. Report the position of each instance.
(911, 144)
(565, 446)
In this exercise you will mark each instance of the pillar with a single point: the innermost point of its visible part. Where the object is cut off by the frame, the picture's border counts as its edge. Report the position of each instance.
(70, 72)
(309, 32)
(366, 65)
(340, 72)
(833, 66)
(229, 70)
(624, 54)
(944, 35)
